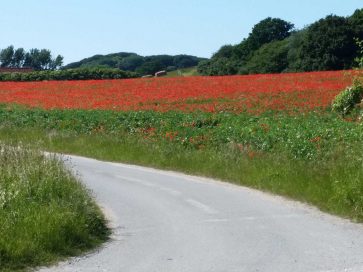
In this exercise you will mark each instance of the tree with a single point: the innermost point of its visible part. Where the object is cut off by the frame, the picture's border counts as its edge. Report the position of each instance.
(295, 42)
(269, 58)
(356, 21)
(6, 56)
(269, 30)
(130, 63)
(226, 51)
(359, 58)
(328, 45)
(42, 60)
(56, 63)
(18, 58)
(229, 59)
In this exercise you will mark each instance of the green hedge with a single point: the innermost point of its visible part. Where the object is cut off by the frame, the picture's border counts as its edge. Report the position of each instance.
(69, 74)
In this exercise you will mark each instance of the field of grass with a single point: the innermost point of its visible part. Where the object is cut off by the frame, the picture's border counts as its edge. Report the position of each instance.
(191, 71)
(314, 157)
(45, 212)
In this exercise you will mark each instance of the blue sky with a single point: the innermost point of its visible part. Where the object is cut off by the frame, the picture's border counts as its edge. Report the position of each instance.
(82, 28)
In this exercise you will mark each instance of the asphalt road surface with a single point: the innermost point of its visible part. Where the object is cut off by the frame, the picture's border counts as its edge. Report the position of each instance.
(170, 222)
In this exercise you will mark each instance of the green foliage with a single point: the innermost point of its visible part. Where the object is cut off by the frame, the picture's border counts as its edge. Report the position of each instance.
(346, 100)
(270, 58)
(69, 74)
(185, 72)
(269, 30)
(6, 56)
(135, 63)
(292, 135)
(356, 21)
(231, 60)
(359, 58)
(35, 59)
(269, 152)
(45, 213)
(327, 44)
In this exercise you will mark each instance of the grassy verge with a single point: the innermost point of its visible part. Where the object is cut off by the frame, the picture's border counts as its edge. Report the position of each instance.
(45, 213)
(316, 158)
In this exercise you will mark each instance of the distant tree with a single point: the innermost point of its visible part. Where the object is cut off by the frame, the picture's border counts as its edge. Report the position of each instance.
(295, 42)
(328, 45)
(218, 67)
(18, 58)
(150, 67)
(226, 51)
(184, 61)
(130, 63)
(6, 56)
(356, 21)
(56, 63)
(269, 58)
(269, 30)
(231, 59)
(42, 60)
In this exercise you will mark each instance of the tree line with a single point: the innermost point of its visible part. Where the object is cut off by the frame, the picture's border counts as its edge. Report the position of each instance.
(136, 63)
(36, 59)
(69, 74)
(275, 46)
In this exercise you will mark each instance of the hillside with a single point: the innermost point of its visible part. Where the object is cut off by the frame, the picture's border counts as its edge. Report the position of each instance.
(136, 63)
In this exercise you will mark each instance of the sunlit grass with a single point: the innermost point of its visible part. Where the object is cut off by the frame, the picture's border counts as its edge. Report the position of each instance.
(45, 212)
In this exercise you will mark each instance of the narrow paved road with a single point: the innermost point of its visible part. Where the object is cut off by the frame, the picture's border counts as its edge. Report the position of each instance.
(169, 222)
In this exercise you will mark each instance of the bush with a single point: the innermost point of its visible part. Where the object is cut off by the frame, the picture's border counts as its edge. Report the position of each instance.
(69, 74)
(346, 100)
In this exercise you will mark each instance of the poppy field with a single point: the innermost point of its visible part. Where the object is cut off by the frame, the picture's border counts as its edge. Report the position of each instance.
(271, 132)
(254, 93)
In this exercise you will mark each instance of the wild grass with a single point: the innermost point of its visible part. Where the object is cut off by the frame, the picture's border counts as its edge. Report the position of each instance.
(185, 72)
(333, 185)
(46, 214)
(316, 158)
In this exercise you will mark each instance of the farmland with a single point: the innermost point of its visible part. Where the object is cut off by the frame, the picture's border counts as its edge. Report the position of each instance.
(272, 132)
(255, 93)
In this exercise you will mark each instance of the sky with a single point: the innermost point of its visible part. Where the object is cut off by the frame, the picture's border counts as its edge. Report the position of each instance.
(81, 28)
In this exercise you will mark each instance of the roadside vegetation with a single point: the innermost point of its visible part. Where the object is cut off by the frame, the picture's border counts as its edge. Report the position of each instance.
(45, 212)
(313, 157)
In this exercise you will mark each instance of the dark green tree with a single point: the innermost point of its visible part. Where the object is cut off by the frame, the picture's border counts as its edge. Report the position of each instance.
(18, 58)
(269, 30)
(295, 42)
(6, 56)
(356, 21)
(42, 60)
(229, 59)
(130, 63)
(328, 45)
(269, 58)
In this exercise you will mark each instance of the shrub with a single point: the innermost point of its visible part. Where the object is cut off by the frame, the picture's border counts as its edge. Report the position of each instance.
(359, 59)
(346, 100)
(69, 74)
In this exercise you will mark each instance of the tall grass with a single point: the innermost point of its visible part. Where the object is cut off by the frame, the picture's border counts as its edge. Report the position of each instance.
(45, 212)
(314, 157)
(334, 185)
